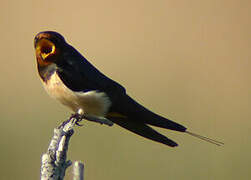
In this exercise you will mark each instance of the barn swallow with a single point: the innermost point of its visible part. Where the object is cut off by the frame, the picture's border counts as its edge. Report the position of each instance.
(69, 78)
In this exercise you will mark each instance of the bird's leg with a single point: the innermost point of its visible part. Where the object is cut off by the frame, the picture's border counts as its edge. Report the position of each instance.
(77, 117)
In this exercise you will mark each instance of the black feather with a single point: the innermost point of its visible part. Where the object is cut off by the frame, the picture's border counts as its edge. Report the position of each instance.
(143, 130)
(130, 108)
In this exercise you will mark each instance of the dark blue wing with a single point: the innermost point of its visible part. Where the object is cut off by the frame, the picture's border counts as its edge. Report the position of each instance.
(80, 75)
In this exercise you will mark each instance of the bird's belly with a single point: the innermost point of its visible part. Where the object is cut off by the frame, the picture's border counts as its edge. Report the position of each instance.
(91, 102)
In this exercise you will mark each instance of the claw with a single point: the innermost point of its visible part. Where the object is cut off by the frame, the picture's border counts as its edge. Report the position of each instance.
(78, 118)
(74, 117)
(77, 123)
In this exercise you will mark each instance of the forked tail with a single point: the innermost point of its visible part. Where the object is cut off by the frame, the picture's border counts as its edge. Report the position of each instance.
(218, 143)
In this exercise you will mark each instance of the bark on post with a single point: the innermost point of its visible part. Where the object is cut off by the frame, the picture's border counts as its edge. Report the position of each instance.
(54, 161)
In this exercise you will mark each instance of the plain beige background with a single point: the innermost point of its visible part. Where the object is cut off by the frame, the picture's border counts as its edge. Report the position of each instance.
(186, 60)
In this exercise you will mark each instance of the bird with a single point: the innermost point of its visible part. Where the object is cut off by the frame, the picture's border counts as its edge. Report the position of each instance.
(70, 78)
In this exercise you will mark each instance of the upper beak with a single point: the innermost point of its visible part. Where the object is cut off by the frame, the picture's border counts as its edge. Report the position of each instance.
(35, 41)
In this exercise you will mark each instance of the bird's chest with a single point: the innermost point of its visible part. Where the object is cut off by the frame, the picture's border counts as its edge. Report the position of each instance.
(91, 102)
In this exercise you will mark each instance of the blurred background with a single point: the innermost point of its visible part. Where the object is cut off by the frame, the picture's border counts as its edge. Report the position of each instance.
(187, 60)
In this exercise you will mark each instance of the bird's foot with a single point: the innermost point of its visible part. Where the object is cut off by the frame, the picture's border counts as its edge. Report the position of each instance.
(74, 117)
(77, 117)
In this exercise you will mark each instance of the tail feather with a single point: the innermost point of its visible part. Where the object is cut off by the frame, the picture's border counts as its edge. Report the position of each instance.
(131, 108)
(212, 141)
(159, 121)
(135, 117)
(143, 130)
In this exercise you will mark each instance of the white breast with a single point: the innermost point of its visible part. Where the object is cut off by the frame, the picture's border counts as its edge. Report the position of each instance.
(91, 102)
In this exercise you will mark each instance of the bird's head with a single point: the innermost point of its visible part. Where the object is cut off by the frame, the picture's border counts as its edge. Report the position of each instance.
(48, 45)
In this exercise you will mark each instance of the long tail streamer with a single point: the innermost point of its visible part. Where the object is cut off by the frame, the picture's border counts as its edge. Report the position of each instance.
(218, 143)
